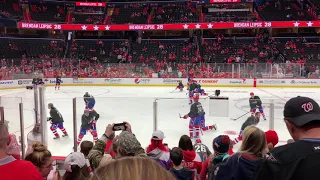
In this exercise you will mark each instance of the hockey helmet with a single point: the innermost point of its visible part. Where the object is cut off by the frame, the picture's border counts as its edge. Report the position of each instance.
(196, 97)
(251, 94)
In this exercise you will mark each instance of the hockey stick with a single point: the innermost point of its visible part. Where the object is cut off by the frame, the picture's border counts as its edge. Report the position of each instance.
(239, 116)
(180, 116)
(173, 90)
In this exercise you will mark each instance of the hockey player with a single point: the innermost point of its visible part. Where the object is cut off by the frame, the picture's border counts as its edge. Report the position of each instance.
(56, 122)
(37, 81)
(190, 81)
(251, 121)
(255, 103)
(192, 89)
(89, 101)
(58, 82)
(202, 150)
(180, 86)
(197, 119)
(88, 123)
(201, 91)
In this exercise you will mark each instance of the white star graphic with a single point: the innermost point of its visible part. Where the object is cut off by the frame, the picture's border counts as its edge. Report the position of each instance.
(185, 26)
(210, 25)
(84, 27)
(198, 26)
(296, 24)
(107, 28)
(310, 24)
(96, 27)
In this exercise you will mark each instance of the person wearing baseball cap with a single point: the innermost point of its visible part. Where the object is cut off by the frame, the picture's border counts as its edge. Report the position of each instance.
(158, 151)
(272, 139)
(300, 159)
(76, 166)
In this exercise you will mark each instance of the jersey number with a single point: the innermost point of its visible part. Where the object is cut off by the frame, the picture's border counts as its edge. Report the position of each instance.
(200, 109)
(200, 148)
(59, 114)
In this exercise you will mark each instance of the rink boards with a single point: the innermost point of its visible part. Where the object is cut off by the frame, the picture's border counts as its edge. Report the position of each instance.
(205, 82)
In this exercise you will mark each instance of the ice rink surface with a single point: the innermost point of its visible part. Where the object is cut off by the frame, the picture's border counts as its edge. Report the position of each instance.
(135, 105)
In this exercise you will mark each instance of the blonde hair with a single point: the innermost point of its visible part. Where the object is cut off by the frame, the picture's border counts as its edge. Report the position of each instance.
(40, 155)
(253, 142)
(133, 168)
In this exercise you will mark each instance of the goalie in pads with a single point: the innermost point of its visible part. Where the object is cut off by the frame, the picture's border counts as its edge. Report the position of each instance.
(197, 120)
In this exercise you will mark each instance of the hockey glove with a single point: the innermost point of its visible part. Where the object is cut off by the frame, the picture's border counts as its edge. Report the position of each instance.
(49, 119)
(97, 117)
(185, 116)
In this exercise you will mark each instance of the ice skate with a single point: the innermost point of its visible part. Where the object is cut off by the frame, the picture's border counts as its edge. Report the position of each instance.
(56, 137)
(65, 135)
(214, 126)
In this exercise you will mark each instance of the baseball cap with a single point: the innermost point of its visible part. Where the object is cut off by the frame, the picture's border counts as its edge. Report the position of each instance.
(221, 144)
(301, 110)
(272, 137)
(158, 135)
(75, 158)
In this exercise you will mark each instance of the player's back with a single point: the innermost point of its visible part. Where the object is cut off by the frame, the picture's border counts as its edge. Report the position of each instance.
(250, 121)
(202, 150)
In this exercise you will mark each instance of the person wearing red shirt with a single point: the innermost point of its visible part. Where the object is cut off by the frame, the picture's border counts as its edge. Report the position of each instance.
(191, 159)
(13, 169)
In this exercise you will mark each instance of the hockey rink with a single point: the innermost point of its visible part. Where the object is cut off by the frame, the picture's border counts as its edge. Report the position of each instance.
(135, 105)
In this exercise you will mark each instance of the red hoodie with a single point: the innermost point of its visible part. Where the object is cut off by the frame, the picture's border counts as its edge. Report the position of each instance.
(192, 160)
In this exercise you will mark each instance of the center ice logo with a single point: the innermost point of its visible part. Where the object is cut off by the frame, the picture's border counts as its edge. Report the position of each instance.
(137, 81)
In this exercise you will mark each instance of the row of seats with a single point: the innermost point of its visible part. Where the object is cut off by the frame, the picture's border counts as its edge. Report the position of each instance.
(139, 13)
(219, 49)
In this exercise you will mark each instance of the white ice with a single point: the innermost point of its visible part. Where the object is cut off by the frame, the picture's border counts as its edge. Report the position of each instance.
(135, 105)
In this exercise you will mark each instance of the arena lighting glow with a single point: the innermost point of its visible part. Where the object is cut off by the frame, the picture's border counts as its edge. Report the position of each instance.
(180, 26)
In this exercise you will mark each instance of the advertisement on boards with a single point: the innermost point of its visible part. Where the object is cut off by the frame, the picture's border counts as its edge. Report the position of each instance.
(238, 81)
(82, 81)
(142, 81)
(113, 81)
(25, 82)
(170, 81)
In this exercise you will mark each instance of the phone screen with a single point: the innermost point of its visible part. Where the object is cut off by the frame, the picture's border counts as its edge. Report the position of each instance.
(119, 127)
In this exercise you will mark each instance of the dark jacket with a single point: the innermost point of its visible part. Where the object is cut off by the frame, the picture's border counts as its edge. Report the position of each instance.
(295, 161)
(86, 121)
(196, 109)
(88, 98)
(237, 167)
(56, 116)
(182, 174)
(249, 122)
(254, 102)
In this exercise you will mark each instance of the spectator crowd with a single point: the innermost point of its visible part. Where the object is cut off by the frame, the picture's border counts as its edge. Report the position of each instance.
(118, 157)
